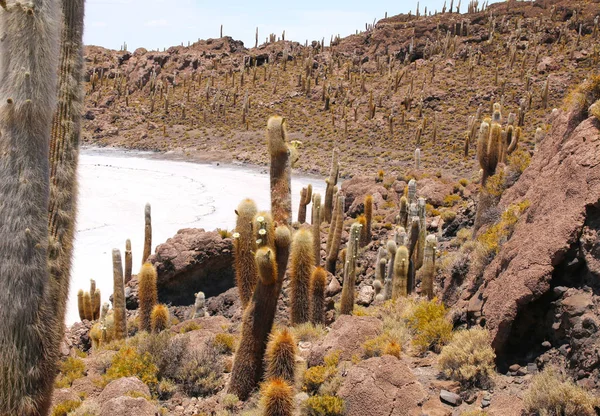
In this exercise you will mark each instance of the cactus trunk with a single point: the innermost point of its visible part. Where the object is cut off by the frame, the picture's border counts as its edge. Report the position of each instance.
(119, 296)
(347, 305)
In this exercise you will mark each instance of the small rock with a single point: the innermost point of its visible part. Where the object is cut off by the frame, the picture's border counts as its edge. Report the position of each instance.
(485, 403)
(450, 398)
(532, 368)
(522, 371)
(546, 345)
(334, 287)
(365, 296)
(514, 368)
(564, 349)
(471, 398)
(300, 398)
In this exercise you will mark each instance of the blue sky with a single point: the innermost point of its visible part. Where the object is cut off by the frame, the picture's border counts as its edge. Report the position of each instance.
(162, 23)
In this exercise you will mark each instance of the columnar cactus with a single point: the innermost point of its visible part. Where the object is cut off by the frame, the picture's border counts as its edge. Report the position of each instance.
(347, 303)
(244, 246)
(369, 216)
(128, 261)
(147, 234)
(277, 398)
(336, 240)
(119, 296)
(332, 225)
(417, 158)
(87, 306)
(264, 227)
(318, 281)
(331, 182)
(428, 270)
(305, 198)
(403, 216)
(148, 294)
(316, 228)
(280, 357)
(281, 197)
(412, 191)
(401, 266)
(80, 305)
(301, 267)
(392, 248)
(489, 145)
(421, 212)
(159, 318)
(199, 311)
(413, 242)
(96, 302)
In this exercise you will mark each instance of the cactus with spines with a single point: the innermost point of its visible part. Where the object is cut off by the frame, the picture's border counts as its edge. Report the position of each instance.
(80, 305)
(128, 261)
(301, 267)
(148, 294)
(318, 280)
(316, 228)
(264, 227)
(104, 311)
(336, 238)
(244, 246)
(413, 242)
(379, 272)
(392, 248)
(369, 217)
(38, 192)
(421, 213)
(400, 237)
(403, 216)
(514, 142)
(362, 220)
(428, 269)
(305, 198)
(331, 182)
(119, 296)
(347, 302)
(417, 158)
(199, 311)
(280, 172)
(277, 398)
(96, 302)
(332, 226)
(87, 306)
(412, 191)
(489, 145)
(159, 318)
(280, 357)
(401, 266)
(147, 233)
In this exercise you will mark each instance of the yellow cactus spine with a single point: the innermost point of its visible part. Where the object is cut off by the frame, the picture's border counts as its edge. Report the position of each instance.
(120, 313)
(159, 318)
(347, 305)
(148, 295)
(147, 234)
(281, 357)
(318, 281)
(277, 398)
(316, 228)
(244, 246)
(301, 265)
(305, 198)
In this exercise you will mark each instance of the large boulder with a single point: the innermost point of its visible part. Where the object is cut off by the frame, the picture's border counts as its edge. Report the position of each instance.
(122, 387)
(562, 185)
(193, 260)
(347, 335)
(382, 386)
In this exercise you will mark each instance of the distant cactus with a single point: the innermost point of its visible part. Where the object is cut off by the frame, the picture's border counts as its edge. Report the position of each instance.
(128, 261)
(403, 217)
(301, 267)
(380, 271)
(488, 149)
(369, 216)
(244, 246)
(148, 294)
(415, 230)
(392, 248)
(336, 232)
(417, 159)
(119, 296)
(318, 281)
(412, 191)
(87, 306)
(96, 302)
(277, 398)
(331, 182)
(159, 318)
(428, 269)
(147, 233)
(80, 305)
(347, 303)
(305, 198)
(332, 225)
(362, 220)
(280, 357)
(316, 228)
(199, 311)
(422, 232)
(401, 266)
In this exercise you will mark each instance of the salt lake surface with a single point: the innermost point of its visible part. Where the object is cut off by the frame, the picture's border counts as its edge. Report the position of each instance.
(114, 186)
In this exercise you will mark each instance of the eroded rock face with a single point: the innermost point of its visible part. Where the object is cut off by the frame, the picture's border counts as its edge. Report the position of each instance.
(193, 260)
(562, 184)
(382, 386)
(347, 335)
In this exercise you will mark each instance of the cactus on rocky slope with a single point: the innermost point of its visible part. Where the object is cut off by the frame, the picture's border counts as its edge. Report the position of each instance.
(301, 267)
(347, 303)
(244, 246)
(305, 199)
(331, 182)
(148, 294)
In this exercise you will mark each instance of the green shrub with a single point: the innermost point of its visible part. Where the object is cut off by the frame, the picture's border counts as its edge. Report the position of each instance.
(451, 200)
(552, 394)
(427, 321)
(189, 327)
(324, 406)
(70, 370)
(128, 362)
(493, 238)
(314, 377)
(224, 343)
(308, 332)
(66, 407)
(201, 372)
(469, 358)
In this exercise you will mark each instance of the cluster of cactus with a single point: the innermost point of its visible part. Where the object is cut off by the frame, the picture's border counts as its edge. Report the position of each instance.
(305, 199)
(88, 303)
(40, 144)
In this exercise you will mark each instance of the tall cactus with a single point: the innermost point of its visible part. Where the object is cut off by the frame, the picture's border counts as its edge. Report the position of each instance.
(87, 306)
(331, 182)
(305, 198)
(318, 281)
(301, 265)
(148, 294)
(147, 233)
(428, 270)
(347, 304)
(392, 248)
(80, 305)
(316, 228)
(369, 216)
(128, 261)
(119, 296)
(412, 191)
(244, 246)
(413, 242)
(403, 216)
(336, 234)
(281, 171)
(96, 303)
(36, 222)
(422, 214)
(401, 266)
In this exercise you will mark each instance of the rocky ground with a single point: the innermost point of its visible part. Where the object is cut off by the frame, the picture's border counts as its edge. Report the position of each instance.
(529, 275)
